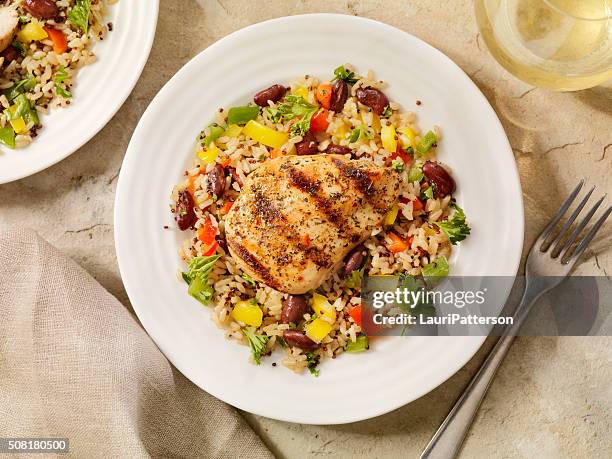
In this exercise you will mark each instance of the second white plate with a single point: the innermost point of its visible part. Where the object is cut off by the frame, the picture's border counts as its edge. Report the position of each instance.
(100, 90)
(394, 371)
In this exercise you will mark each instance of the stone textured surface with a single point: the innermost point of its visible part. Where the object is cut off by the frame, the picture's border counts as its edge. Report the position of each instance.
(552, 397)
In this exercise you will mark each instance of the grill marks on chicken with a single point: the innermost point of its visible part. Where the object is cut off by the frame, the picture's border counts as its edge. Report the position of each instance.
(313, 187)
(362, 181)
(264, 209)
(263, 273)
(297, 217)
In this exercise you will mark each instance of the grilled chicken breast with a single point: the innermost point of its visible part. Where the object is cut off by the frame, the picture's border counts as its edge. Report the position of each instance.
(297, 217)
(8, 25)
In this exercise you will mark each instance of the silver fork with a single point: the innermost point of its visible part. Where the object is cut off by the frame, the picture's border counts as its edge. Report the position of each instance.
(550, 260)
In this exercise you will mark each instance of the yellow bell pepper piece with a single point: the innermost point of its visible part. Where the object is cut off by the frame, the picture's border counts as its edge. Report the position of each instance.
(232, 131)
(248, 312)
(429, 231)
(318, 329)
(301, 91)
(376, 123)
(18, 124)
(323, 308)
(391, 215)
(209, 155)
(341, 131)
(265, 135)
(32, 31)
(407, 137)
(387, 135)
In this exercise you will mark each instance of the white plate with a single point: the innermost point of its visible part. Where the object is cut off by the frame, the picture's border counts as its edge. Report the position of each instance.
(396, 370)
(100, 90)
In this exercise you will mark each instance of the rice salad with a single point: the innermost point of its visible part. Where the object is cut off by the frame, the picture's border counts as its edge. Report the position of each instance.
(415, 236)
(48, 41)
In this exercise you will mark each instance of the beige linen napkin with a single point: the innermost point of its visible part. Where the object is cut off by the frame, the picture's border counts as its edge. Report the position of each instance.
(75, 364)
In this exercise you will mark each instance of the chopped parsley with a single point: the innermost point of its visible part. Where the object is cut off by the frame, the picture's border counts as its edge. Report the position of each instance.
(294, 107)
(249, 280)
(360, 133)
(79, 14)
(341, 73)
(387, 112)
(355, 279)
(312, 360)
(22, 106)
(60, 77)
(398, 165)
(427, 193)
(196, 277)
(456, 228)
(417, 303)
(32, 116)
(19, 88)
(60, 74)
(215, 131)
(257, 343)
(354, 135)
(62, 92)
(19, 47)
(437, 268)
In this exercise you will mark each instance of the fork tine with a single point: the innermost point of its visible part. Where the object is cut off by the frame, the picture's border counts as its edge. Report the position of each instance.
(587, 239)
(566, 247)
(560, 212)
(566, 226)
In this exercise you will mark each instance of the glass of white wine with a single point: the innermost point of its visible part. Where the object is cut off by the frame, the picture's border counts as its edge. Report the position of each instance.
(565, 45)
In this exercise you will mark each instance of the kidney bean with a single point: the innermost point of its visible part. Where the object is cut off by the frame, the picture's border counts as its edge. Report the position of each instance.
(338, 149)
(373, 98)
(216, 181)
(308, 145)
(442, 181)
(340, 92)
(41, 9)
(354, 260)
(273, 93)
(185, 213)
(294, 309)
(299, 339)
(9, 55)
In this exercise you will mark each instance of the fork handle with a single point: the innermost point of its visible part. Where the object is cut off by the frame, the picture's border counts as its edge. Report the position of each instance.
(447, 441)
